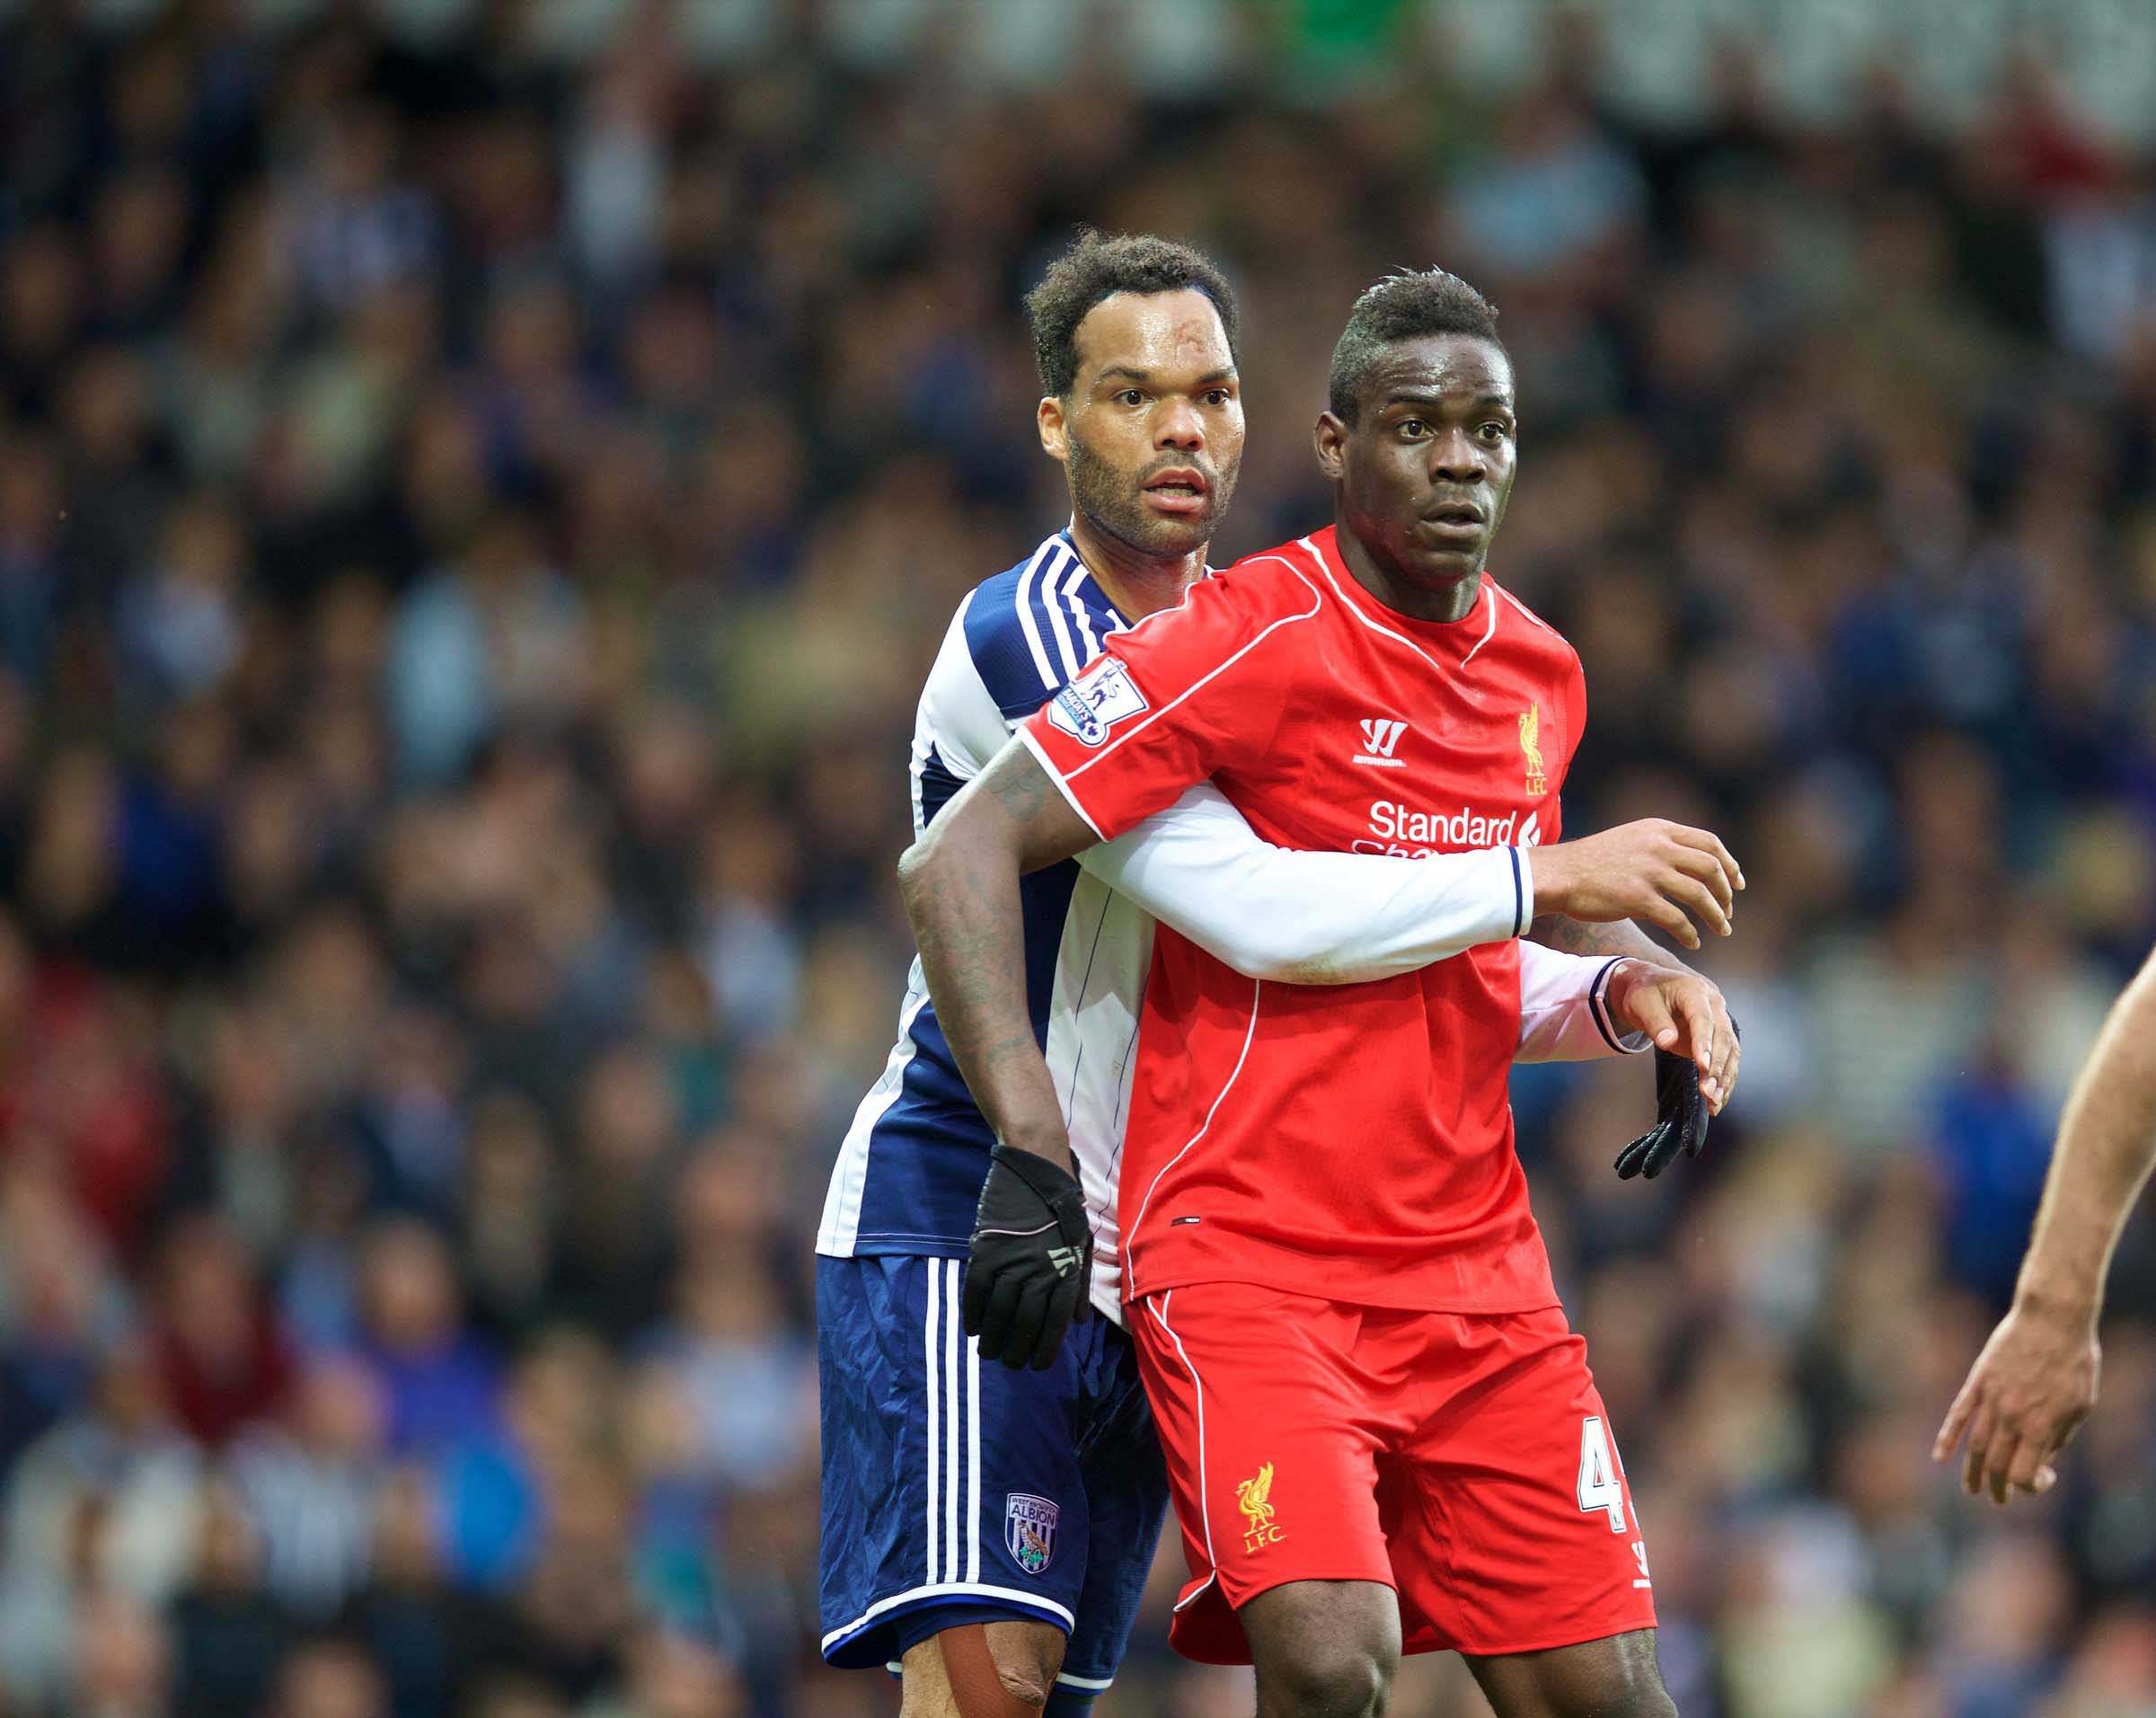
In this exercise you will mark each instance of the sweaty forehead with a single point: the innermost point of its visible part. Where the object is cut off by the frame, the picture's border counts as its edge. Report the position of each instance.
(1155, 332)
(1444, 364)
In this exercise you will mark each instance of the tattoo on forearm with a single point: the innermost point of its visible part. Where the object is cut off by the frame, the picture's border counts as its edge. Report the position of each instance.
(1567, 936)
(1571, 936)
(1021, 789)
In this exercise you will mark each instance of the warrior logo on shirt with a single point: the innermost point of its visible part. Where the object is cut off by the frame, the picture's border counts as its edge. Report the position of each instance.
(1030, 1529)
(1380, 735)
(1095, 701)
(1530, 726)
(1254, 1498)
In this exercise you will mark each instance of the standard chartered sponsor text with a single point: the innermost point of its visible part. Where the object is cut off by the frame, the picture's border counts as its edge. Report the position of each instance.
(1406, 832)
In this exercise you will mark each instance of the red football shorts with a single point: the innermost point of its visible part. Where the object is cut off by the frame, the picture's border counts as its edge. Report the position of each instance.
(1465, 1460)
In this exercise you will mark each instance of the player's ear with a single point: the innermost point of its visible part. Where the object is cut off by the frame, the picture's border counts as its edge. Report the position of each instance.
(1330, 439)
(1054, 431)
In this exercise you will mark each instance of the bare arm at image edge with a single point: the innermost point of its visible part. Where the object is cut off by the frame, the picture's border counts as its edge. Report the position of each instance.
(2036, 1380)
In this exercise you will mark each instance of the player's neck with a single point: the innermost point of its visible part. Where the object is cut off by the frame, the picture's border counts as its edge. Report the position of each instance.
(1441, 603)
(1137, 583)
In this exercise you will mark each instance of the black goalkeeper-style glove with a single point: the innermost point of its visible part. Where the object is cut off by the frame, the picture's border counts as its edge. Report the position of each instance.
(1680, 1118)
(1031, 1271)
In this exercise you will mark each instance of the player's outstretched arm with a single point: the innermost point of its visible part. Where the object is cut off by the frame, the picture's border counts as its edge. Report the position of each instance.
(1030, 1260)
(1275, 913)
(1295, 918)
(2036, 1380)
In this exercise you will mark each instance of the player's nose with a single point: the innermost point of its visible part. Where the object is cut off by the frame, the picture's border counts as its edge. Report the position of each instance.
(1178, 425)
(1457, 457)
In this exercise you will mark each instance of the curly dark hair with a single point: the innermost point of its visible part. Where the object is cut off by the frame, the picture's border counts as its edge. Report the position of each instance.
(1401, 307)
(1099, 264)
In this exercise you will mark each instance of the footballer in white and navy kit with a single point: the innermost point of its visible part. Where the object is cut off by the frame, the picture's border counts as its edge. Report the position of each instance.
(953, 1493)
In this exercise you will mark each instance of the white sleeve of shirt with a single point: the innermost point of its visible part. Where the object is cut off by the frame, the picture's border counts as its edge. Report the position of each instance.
(958, 718)
(1272, 912)
(1564, 1007)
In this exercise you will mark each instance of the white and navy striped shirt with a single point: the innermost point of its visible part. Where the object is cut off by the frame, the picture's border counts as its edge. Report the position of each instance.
(909, 1173)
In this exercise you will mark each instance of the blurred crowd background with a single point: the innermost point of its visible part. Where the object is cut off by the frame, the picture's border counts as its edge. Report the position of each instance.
(480, 484)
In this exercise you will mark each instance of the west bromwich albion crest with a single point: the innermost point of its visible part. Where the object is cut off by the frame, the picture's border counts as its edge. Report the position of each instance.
(1030, 1531)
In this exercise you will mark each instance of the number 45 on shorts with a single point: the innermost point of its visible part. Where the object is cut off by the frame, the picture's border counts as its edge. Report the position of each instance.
(1601, 1485)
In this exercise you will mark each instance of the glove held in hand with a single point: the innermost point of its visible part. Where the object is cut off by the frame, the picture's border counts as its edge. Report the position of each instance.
(1680, 1118)
(1030, 1267)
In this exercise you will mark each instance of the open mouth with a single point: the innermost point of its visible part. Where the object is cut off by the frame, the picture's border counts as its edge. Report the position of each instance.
(1455, 514)
(1182, 492)
(1183, 483)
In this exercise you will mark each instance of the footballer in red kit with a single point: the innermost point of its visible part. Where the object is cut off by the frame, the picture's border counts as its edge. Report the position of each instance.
(1382, 1433)
(1291, 1148)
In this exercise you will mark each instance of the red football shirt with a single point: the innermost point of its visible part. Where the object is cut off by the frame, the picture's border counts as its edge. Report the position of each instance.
(1352, 1142)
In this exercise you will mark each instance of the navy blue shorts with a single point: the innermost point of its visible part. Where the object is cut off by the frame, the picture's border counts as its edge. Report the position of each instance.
(958, 1492)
